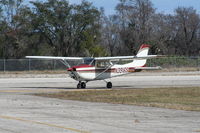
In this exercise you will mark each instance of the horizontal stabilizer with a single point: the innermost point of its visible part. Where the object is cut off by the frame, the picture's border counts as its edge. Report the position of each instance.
(148, 68)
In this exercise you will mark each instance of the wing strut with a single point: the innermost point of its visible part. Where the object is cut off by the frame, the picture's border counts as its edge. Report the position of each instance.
(65, 63)
(103, 71)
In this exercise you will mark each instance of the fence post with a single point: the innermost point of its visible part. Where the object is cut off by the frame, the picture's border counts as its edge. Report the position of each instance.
(54, 64)
(29, 64)
(175, 62)
(4, 65)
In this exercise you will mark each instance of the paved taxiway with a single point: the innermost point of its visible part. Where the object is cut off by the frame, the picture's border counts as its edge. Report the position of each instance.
(20, 112)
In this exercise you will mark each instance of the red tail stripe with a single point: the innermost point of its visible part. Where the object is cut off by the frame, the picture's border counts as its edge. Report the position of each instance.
(144, 46)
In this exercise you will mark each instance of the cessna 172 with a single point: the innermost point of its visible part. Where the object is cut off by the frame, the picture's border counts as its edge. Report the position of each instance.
(101, 68)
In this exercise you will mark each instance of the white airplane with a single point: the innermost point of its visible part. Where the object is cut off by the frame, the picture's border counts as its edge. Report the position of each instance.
(101, 68)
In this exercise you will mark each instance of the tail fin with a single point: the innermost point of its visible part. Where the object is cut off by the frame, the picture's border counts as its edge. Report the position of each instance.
(143, 51)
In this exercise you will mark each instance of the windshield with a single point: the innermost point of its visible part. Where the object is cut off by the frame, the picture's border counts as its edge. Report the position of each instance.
(89, 61)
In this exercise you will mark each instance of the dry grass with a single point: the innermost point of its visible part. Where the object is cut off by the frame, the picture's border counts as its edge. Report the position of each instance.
(172, 98)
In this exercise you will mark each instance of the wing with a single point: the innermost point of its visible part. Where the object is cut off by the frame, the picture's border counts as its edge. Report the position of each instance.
(55, 58)
(64, 60)
(128, 57)
(97, 58)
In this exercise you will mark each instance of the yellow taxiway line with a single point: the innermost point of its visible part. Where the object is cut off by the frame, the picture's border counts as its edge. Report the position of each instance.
(43, 123)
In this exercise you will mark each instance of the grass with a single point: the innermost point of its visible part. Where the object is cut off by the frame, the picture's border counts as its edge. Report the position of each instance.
(172, 98)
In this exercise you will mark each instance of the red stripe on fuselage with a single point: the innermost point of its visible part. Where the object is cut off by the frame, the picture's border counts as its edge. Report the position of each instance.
(95, 70)
(102, 69)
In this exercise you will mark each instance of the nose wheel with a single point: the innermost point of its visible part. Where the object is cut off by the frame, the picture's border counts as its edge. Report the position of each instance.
(81, 85)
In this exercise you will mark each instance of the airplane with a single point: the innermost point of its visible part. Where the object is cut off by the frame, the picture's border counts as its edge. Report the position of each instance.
(102, 68)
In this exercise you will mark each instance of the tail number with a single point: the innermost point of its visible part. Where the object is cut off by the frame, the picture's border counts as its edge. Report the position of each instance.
(122, 70)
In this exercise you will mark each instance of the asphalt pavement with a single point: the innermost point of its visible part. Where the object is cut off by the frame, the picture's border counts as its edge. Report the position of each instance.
(21, 112)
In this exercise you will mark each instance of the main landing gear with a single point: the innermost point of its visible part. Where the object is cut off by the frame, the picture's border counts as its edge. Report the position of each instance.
(82, 85)
(109, 85)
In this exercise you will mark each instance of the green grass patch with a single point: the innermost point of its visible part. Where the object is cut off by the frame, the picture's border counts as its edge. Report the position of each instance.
(172, 98)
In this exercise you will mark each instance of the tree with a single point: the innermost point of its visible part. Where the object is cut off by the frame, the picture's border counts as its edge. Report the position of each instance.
(60, 29)
(136, 22)
(110, 35)
(49, 28)
(188, 23)
(8, 42)
(65, 27)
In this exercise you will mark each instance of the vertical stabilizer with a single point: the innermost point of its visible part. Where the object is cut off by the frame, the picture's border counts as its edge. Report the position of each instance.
(143, 51)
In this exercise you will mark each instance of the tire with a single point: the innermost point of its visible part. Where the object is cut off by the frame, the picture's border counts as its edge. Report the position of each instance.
(83, 85)
(109, 85)
(78, 86)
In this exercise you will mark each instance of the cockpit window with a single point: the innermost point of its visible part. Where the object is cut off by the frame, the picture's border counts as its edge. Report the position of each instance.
(102, 64)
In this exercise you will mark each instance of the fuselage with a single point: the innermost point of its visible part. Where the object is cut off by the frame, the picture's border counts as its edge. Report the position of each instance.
(104, 68)
(90, 73)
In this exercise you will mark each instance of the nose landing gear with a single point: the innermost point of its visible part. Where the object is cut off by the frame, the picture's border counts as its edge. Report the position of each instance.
(81, 85)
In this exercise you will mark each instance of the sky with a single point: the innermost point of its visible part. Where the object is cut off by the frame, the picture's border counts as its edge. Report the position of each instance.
(164, 6)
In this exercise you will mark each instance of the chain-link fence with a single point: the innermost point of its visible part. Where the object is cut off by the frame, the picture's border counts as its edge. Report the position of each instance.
(31, 64)
(39, 64)
(175, 62)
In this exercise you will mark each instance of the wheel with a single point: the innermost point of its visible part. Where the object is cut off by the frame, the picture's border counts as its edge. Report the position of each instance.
(109, 85)
(78, 86)
(83, 85)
